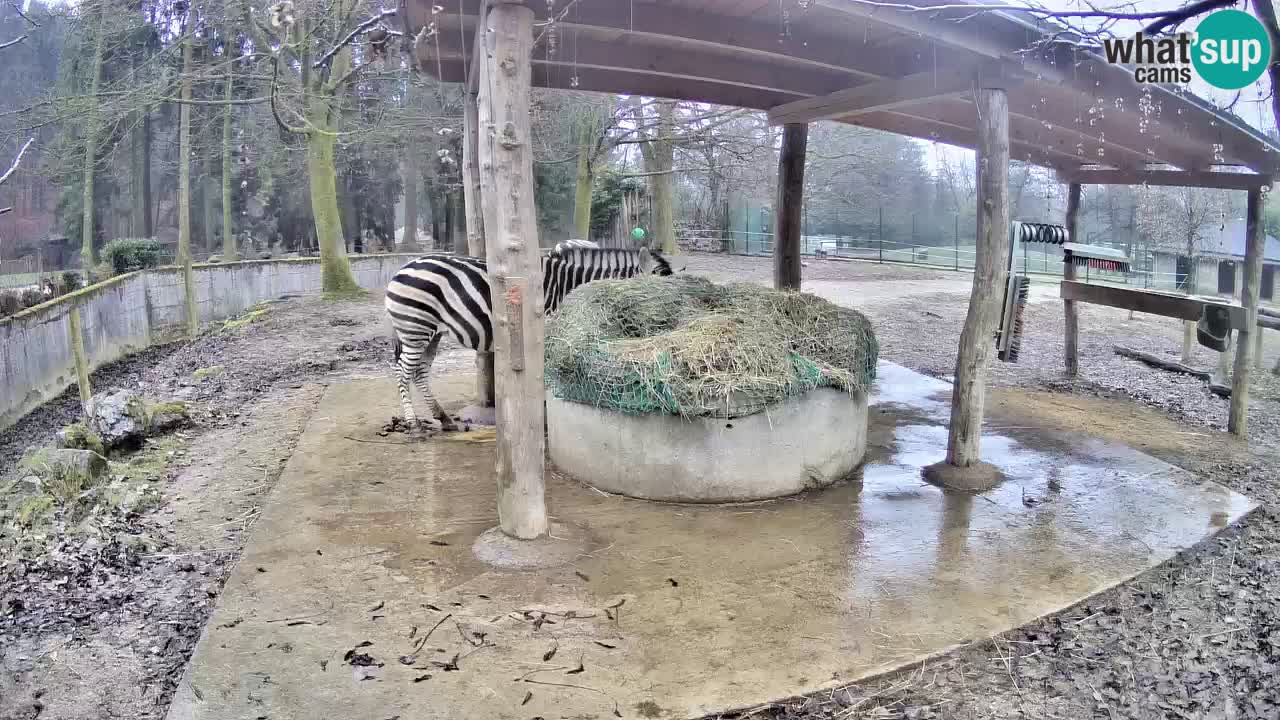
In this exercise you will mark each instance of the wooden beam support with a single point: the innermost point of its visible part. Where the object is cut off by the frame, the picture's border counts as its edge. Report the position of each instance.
(1181, 307)
(1176, 178)
(1255, 235)
(885, 94)
(515, 268)
(787, 215)
(1071, 340)
(989, 273)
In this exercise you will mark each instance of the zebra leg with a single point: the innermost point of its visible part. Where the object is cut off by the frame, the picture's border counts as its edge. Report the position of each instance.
(408, 356)
(423, 379)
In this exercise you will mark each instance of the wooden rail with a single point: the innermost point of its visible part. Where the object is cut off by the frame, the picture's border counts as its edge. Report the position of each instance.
(1182, 307)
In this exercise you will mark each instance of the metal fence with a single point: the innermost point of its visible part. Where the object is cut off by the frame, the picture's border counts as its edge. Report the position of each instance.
(1034, 259)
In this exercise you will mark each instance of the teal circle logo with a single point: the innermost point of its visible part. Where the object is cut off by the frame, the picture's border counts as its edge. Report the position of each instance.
(1232, 49)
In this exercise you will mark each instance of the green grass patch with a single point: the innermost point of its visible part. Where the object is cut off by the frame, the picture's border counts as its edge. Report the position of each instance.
(257, 313)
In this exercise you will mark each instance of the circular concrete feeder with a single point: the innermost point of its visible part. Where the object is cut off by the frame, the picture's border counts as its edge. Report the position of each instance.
(806, 442)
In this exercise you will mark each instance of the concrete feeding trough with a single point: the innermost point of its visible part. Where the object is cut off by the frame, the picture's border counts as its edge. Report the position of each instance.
(806, 442)
(680, 390)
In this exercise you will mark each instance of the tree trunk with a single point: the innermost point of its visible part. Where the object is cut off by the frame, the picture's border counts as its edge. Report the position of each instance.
(335, 268)
(208, 191)
(446, 242)
(662, 185)
(515, 269)
(989, 277)
(787, 215)
(1071, 318)
(471, 198)
(140, 176)
(91, 153)
(582, 189)
(437, 213)
(457, 223)
(184, 192)
(409, 176)
(229, 252)
(471, 180)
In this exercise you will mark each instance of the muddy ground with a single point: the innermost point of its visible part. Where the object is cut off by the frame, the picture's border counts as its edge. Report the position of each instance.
(102, 629)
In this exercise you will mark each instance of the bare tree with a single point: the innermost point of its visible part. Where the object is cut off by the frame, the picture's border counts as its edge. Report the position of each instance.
(1179, 219)
(17, 160)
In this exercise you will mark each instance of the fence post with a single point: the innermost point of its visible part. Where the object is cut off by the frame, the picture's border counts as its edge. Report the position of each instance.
(956, 256)
(76, 337)
(881, 232)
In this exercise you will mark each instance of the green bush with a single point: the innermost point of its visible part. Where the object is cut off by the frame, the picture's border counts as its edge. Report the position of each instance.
(71, 281)
(31, 298)
(129, 254)
(10, 304)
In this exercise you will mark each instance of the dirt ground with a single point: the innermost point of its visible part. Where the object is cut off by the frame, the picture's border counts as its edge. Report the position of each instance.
(102, 628)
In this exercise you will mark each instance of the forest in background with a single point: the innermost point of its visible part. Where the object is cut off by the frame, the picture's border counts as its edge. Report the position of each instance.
(233, 129)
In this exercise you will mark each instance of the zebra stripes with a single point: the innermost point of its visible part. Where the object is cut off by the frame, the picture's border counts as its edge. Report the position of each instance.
(439, 293)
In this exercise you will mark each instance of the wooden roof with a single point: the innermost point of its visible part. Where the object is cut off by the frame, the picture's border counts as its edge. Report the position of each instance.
(907, 72)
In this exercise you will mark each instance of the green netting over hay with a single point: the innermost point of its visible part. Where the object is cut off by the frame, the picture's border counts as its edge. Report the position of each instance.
(682, 345)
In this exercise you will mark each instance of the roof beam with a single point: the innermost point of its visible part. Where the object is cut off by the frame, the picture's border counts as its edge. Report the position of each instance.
(638, 82)
(886, 94)
(916, 22)
(1177, 178)
(633, 54)
(680, 25)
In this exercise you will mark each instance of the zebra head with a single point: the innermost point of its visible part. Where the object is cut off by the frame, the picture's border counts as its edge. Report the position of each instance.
(653, 262)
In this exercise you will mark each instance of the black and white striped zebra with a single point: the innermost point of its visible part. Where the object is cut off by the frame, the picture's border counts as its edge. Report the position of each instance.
(440, 293)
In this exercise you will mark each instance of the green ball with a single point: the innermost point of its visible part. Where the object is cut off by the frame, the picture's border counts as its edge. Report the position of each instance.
(638, 233)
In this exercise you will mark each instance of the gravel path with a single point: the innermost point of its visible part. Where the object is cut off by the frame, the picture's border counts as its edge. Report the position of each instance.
(1198, 637)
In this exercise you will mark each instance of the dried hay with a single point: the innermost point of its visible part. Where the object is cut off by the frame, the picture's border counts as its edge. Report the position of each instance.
(682, 345)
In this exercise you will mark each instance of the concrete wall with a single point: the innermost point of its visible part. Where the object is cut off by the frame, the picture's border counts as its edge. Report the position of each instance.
(128, 313)
(803, 443)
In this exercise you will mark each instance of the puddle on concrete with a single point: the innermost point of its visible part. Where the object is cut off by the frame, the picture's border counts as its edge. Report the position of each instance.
(724, 606)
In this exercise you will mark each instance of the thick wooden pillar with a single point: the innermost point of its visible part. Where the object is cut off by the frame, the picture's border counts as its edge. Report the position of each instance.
(989, 277)
(789, 206)
(1237, 416)
(1071, 339)
(515, 267)
(473, 204)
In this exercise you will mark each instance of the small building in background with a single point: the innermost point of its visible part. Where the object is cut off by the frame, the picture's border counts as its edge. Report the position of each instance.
(1219, 264)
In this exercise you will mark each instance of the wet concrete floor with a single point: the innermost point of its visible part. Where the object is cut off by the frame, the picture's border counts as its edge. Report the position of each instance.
(658, 610)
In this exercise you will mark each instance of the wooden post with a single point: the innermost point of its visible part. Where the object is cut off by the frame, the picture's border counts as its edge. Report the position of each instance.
(75, 333)
(471, 199)
(787, 215)
(515, 267)
(1257, 348)
(989, 277)
(1223, 372)
(1237, 417)
(1071, 339)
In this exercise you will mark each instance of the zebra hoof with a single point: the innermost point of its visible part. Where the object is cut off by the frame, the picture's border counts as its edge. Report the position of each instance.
(423, 429)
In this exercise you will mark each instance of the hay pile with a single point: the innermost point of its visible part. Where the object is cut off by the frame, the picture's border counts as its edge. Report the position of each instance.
(682, 345)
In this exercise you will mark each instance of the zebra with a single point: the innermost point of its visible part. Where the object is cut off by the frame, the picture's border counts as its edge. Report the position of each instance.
(438, 292)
